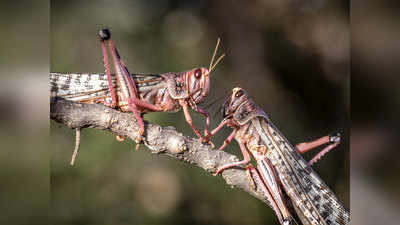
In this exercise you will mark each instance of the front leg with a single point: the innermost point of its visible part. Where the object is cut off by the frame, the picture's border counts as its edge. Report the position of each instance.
(206, 132)
(188, 118)
(208, 120)
(213, 132)
(228, 140)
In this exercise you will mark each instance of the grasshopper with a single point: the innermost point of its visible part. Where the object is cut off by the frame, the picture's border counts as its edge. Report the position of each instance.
(287, 180)
(138, 93)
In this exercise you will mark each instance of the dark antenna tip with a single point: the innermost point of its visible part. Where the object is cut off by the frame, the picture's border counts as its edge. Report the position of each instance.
(104, 34)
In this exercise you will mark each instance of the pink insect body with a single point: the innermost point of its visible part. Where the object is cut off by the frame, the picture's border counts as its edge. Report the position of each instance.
(288, 181)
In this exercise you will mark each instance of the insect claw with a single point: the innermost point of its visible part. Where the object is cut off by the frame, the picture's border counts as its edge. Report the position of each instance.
(205, 140)
(217, 172)
(112, 105)
(139, 139)
(138, 142)
(212, 144)
(250, 177)
(120, 138)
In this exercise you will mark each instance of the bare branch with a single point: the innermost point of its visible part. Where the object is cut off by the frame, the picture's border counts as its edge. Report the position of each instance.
(160, 140)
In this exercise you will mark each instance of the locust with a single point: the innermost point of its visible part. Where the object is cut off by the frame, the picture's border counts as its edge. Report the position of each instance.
(293, 190)
(138, 93)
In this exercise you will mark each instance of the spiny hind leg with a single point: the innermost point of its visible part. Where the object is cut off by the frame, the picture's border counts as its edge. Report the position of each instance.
(333, 141)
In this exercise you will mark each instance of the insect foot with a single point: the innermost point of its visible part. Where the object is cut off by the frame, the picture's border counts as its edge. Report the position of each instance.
(206, 140)
(139, 139)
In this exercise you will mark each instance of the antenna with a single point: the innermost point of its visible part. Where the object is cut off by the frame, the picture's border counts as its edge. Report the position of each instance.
(212, 59)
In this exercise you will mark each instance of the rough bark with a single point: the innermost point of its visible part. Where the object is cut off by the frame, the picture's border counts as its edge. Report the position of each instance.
(160, 140)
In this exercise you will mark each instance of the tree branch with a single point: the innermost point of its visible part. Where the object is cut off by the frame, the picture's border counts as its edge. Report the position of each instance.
(160, 140)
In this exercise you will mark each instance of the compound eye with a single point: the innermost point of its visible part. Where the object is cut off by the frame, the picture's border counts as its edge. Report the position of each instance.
(197, 73)
(239, 93)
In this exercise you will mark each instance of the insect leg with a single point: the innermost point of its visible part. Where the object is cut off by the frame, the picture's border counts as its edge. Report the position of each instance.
(125, 79)
(141, 124)
(333, 140)
(146, 105)
(213, 132)
(119, 138)
(104, 35)
(228, 140)
(188, 118)
(255, 178)
(246, 160)
(307, 146)
(273, 186)
(208, 120)
(127, 85)
(322, 153)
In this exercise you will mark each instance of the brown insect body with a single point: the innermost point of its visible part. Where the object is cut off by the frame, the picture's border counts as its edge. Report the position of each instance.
(283, 171)
(167, 92)
(164, 89)
(167, 89)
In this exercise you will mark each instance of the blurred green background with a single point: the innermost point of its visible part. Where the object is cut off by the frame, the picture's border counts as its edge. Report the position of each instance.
(291, 56)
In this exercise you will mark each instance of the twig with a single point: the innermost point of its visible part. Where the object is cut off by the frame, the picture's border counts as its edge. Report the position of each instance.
(77, 143)
(160, 140)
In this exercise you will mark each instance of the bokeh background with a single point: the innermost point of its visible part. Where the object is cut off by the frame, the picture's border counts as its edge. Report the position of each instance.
(375, 108)
(294, 57)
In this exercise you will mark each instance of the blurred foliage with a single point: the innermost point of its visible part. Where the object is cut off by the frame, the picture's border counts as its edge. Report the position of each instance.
(291, 56)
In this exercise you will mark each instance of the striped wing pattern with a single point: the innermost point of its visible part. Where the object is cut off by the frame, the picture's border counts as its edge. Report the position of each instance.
(312, 199)
(79, 86)
(86, 87)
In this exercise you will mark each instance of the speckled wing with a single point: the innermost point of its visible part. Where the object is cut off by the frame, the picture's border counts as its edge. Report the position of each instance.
(79, 87)
(312, 199)
(87, 87)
